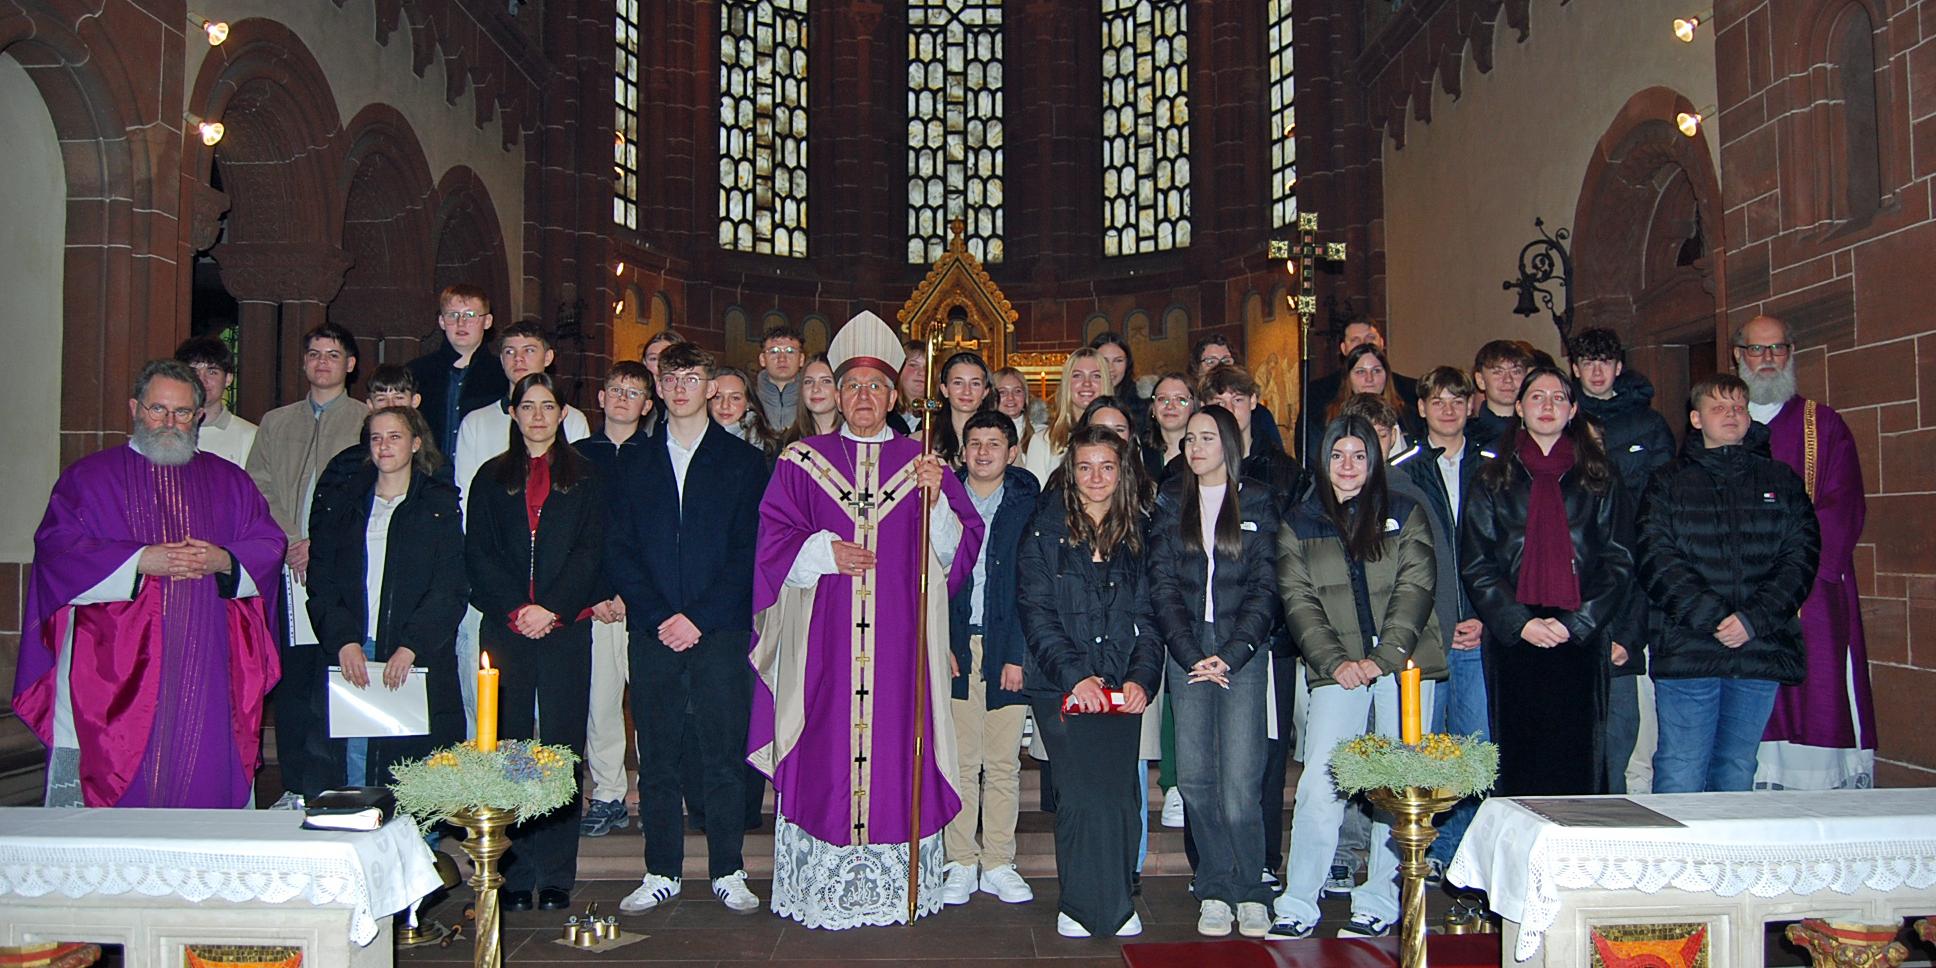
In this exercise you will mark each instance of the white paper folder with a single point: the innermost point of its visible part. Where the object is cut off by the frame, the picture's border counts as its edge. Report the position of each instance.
(378, 710)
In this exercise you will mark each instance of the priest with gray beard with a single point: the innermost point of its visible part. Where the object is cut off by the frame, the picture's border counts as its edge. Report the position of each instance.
(147, 651)
(1822, 734)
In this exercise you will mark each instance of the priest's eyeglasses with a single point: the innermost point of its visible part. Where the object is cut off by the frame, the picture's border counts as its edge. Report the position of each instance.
(856, 386)
(1776, 350)
(180, 415)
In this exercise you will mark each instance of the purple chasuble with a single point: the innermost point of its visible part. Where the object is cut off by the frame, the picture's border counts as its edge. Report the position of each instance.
(168, 687)
(847, 684)
(1832, 707)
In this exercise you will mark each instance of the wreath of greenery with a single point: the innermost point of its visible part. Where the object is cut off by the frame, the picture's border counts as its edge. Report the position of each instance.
(1462, 765)
(525, 777)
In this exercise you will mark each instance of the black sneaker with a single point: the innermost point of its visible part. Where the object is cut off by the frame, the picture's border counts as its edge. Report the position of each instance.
(1287, 929)
(1340, 883)
(1365, 926)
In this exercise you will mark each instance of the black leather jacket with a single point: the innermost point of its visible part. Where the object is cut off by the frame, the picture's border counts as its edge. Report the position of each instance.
(1492, 542)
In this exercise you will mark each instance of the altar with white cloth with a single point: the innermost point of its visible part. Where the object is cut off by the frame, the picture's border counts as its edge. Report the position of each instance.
(1734, 862)
(155, 881)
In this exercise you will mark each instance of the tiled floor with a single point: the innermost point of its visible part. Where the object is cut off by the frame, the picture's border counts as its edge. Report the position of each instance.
(697, 931)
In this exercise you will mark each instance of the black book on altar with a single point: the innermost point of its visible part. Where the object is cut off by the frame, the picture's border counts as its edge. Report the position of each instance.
(351, 808)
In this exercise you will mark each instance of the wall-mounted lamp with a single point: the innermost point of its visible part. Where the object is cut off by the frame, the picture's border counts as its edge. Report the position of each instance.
(215, 30)
(1686, 27)
(1689, 122)
(1541, 261)
(211, 131)
(619, 270)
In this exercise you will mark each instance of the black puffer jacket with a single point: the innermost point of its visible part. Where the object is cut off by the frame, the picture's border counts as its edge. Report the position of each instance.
(1638, 441)
(1081, 618)
(1492, 544)
(1724, 531)
(1247, 605)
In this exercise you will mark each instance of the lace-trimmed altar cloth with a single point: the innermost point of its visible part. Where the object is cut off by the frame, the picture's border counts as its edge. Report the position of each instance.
(1766, 844)
(229, 855)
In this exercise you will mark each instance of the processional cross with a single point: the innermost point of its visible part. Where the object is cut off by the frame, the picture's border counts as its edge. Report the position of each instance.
(1307, 250)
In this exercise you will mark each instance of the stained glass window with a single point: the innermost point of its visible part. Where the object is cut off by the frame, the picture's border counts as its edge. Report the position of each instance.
(763, 126)
(625, 95)
(1145, 126)
(954, 126)
(1283, 115)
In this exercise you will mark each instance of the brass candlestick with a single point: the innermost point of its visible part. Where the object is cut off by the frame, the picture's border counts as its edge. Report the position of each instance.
(487, 842)
(1412, 809)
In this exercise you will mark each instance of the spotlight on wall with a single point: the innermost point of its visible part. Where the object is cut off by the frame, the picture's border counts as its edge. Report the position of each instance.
(1686, 27)
(1689, 122)
(211, 131)
(619, 270)
(215, 30)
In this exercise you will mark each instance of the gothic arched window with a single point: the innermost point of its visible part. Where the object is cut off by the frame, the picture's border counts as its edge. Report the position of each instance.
(954, 126)
(763, 127)
(1145, 126)
(625, 95)
(1283, 115)
(1855, 159)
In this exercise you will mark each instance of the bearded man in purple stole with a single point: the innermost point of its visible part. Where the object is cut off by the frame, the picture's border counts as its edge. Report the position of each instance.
(836, 589)
(147, 651)
(1822, 734)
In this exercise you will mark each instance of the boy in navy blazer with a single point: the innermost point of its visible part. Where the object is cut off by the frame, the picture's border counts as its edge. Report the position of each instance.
(681, 556)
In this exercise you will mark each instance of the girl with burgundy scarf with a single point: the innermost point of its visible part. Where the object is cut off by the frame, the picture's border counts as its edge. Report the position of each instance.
(1547, 560)
(534, 543)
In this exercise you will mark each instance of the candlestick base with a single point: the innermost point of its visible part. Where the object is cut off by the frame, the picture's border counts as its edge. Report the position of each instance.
(1412, 809)
(485, 844)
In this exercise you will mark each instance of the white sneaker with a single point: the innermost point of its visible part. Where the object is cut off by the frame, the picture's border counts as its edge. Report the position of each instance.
(1253, 919)
(1214, 919)
(1006, 883)
(651, 892)
(1173, 808)
(1067, 927)
(957, 883)
(1131, 928)
(288, 801)
(733, 892)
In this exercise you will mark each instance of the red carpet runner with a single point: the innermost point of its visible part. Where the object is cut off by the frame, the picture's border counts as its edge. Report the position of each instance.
(1445, 951)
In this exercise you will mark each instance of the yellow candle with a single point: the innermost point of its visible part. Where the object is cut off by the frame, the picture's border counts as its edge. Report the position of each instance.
(1408, 706)
(487, 705)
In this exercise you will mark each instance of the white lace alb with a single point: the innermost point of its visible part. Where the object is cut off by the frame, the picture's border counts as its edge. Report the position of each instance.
(823, 885)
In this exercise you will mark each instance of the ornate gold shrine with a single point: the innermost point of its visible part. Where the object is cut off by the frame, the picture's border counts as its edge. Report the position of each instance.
(960, 306)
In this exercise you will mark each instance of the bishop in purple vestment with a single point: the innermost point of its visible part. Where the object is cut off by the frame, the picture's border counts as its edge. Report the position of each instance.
(147, 653)
(836, 592)
(1822, 734)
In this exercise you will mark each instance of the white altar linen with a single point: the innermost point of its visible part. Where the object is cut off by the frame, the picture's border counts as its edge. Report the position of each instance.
(230, 855)
(1763, 844)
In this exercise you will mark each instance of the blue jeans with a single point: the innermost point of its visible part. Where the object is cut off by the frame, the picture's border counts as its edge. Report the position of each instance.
(356, 754)
(1220, 744)
(1465, 715)
(1623, 729)
(1710, 731)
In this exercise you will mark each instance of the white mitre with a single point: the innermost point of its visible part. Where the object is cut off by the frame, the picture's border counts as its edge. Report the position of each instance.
(868, 341)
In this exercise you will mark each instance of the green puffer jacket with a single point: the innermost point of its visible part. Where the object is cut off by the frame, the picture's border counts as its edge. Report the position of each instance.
(1314, 577)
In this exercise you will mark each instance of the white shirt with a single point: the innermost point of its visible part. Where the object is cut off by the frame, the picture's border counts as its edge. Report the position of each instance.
(816, 557)
(681, 456)
(227, 436)
(1449, 470)
(1209, 504)
(486, 432)
(1765, 412)
(376, 545)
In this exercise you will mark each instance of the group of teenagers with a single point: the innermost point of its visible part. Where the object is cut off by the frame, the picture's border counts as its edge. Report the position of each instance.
(1156, 577)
